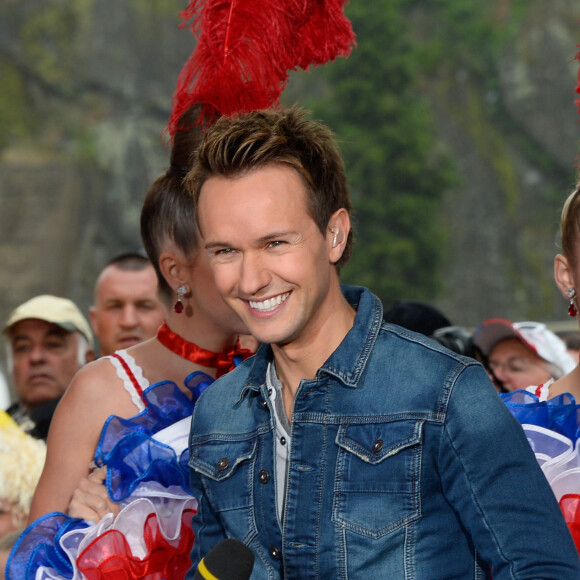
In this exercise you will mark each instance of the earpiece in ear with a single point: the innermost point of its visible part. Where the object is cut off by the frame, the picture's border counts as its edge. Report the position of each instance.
(335, 238)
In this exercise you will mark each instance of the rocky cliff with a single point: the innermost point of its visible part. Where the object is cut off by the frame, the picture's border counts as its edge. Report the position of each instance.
(85, 92)
(515, 146)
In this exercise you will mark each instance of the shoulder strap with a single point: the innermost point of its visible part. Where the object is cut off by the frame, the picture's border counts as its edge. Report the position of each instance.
(130, 374)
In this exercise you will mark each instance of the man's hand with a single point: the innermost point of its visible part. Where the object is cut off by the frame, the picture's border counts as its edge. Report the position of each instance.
(90, 500)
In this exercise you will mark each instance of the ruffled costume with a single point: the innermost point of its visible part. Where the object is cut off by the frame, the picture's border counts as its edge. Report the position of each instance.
(147, 473)
(552, 427)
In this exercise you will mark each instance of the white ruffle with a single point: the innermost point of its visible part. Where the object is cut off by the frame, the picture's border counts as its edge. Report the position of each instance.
(559, 458)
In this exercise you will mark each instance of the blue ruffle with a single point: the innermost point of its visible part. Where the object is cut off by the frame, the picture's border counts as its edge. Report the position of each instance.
(560, 414)
(39, 545)
(131, 455)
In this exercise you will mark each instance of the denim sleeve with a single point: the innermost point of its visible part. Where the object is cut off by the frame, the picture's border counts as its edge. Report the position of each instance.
(207, 528)
(492, 479)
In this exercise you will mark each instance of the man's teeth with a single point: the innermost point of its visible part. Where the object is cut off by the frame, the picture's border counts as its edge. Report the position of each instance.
(270, 303)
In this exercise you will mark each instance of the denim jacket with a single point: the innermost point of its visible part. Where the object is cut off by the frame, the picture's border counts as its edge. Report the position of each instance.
(404, 464)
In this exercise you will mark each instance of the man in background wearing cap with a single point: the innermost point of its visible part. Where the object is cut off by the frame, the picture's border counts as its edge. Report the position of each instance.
(521, 354)
(49, 341)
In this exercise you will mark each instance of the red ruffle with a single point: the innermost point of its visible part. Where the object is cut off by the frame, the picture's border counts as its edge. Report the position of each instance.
(570, 505)
(109, 557)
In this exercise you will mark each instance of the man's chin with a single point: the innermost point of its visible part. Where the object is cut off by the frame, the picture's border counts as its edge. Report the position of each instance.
(276, 338)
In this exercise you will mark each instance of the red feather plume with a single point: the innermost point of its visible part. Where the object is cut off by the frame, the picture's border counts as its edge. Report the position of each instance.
(246, 49)
(325, 33)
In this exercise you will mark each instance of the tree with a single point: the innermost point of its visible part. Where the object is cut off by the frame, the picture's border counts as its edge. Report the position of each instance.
(396, 170)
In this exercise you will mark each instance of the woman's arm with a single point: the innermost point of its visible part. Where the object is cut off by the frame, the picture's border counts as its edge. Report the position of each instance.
(94, 394)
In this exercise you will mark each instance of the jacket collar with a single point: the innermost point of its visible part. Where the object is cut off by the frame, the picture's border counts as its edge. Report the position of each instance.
(348, 361)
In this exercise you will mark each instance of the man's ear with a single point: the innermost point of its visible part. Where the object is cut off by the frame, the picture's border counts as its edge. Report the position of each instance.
(563, 275)
(337, 234)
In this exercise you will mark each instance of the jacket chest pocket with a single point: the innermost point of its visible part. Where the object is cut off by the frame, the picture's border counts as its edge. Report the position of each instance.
(377, 478)
(227, 468)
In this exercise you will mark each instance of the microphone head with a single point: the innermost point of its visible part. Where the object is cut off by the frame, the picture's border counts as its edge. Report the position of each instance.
(228, 560)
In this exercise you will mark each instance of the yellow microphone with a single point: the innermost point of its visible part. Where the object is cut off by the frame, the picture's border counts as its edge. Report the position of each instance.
(228, 560)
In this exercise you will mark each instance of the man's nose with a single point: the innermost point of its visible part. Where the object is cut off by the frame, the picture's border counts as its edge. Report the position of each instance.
(129, 317)
(37, 354)
(253, 274)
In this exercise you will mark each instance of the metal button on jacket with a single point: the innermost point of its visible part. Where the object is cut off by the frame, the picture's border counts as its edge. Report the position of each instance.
(223, 464)
(377, 445)
(264, 476)
(275, 553)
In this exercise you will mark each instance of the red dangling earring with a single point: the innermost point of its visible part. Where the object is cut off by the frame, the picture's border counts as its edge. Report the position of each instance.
(181, 292)
(572, 310)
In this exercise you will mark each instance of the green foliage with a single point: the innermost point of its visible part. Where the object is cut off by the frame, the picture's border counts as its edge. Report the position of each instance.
(466, 34)
(16, 118)
(396, 171)
(157, 9)
(48, 39)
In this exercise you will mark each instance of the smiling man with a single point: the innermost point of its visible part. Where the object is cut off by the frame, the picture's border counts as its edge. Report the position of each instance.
(346, 447)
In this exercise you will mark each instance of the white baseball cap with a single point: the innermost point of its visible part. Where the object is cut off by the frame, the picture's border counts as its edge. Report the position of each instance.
(59, 311)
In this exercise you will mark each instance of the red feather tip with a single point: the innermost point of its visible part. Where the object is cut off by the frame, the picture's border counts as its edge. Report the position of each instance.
(246, 49)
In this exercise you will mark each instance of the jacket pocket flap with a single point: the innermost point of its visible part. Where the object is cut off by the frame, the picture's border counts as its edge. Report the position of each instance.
(220, 459)
(374, 442)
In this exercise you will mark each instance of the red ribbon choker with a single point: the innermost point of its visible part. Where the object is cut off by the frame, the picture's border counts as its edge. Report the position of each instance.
(223, 361)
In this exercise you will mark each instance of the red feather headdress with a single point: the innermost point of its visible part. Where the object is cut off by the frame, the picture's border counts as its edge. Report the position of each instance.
(246, 49)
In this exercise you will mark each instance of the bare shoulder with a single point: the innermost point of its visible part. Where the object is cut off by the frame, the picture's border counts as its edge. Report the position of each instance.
(96, 386)
(567, 384)
(93, 377)
(96, 369)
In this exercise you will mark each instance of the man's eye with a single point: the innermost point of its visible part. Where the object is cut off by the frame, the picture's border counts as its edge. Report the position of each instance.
(275, 244)
(224, 251)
